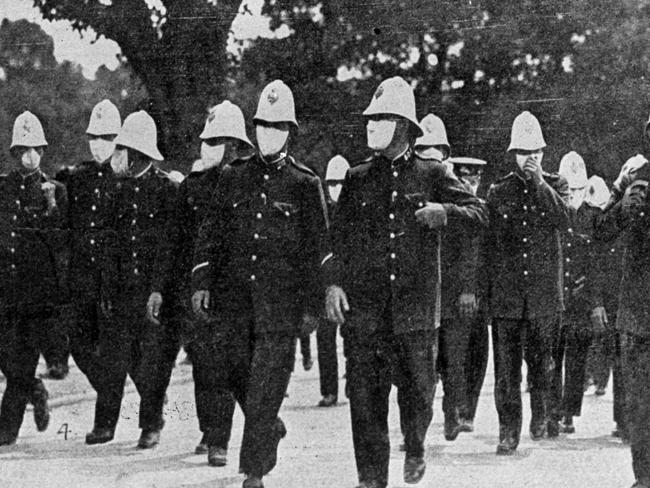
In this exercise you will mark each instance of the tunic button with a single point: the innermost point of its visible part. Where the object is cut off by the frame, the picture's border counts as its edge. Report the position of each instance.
(392, 255)
(256, 236)
(96, 190)
(137, 189)
(136, 271)
(133, 222)
(525, 239)
(505, 216)
(253, 257)
(525, 273)
(642, 214)
(566, 274)
(526, 192)
(392, 235)
(524, 223)
(266, 177)
(568, 260)
(395, 174)
(92, 241)
(525, 255)
(151, 216)
(92, 260)
(13, 266)
(525, 207)
(612, 250)
(286, 213)
(18, 202)
(133, 238)
(100, 174)
(13, 234)
(394, 194)
(252, 277)
(566, 289)
(135, 205)
(568, 244)
(94, 208)
(22, 187)
(135, 254)
(195, 208)
(392, 277)
(92, 224)
(391, 216)
(263, 195)
(13, 250)
(15, 217)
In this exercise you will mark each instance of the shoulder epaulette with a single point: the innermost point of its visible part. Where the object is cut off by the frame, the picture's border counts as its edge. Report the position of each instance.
(504, 178)
(300, 167)
(239, 161)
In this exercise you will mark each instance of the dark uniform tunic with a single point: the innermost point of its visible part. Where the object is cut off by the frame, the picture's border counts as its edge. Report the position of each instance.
(128, 342)
(32, 266)
(258, 252)
(526, 291)
(580, 283)
(89, 219)
(386, 263)
(633, 323)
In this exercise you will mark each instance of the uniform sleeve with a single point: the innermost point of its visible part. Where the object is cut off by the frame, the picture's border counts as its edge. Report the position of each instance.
(54, 224)
(210, 241)
(315, 237)
(552, 200)
(462, 207)
(169, 239)
(611, 223)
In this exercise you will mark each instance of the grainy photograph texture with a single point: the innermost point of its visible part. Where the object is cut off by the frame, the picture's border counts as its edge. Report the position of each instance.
(324, 243)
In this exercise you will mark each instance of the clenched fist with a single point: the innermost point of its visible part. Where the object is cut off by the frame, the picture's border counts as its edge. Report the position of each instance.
(433, 215)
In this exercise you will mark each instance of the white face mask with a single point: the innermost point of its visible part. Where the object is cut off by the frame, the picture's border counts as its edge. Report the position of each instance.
(380, 133)
(577, 196)
(212, 155)
(101, 149)
(30, 159)
(522, 158)
(335, 191)
(120, 162)
(271, 140)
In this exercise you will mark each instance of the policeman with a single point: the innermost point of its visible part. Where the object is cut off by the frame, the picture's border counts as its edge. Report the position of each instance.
(383, 282)
(143, 203)
(32, 253)
(464, 343)
(223, 139)
(584, 317)
(337, 167)
(627, 216)
(256, 272)
(89, 187)
(527, 213)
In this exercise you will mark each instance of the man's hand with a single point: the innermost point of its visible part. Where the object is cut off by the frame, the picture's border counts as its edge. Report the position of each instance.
(533, 170)
(49, 191)
(200, 301)
(336, 303)
(634, 198)
(309, 324)
(153, 307)
(467, 305)
(599, 320)
(432, 215)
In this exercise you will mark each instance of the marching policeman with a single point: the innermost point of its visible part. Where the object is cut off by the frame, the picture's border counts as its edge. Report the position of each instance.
(627, 217)
(584, 317)
(142, 205)
(32, 261)
(527, 213)
(384, 282)
(464, 343)
(256, 272)
(337, 167)
(223, 139)
(89, 186)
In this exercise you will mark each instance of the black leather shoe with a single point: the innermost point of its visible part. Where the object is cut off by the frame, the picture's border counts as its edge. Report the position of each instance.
(328, 401)
(217, 456)
(414, 468)
(202, 446)
(537, 430)
(99, 436)
(552, 429)
(7, 439)
(56, 371)
(622, 433)
(280, 428)
(149, 438)
(600, 391)
(307, 363)
(507, 446)
(252, 482)
(41, 409)
(567, 425)
(452, 427)
(466, 425)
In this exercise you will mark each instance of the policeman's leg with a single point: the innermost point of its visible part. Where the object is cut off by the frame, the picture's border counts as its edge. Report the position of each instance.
(478, 352)
(619, 387)
(369, 384)
(457, 342)
(19, 355)
(84, 335)
(508, 348)
(270, 369)
(55, 344)
(416, 382)
(442, 365)
(579, 342)
(327, 358)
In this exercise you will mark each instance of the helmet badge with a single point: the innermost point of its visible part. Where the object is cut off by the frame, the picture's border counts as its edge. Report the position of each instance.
(272, 97)
(379, 92)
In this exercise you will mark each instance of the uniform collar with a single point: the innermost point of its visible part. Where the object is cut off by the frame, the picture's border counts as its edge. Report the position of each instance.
(278, 162)
(143, 172)
(32, 177)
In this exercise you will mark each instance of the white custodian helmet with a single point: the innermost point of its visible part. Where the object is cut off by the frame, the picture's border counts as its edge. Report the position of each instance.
(394, 96)
(573, 168)
(631, 166)
(597, 192)
(337, 168)
(276, 104)
(28, 131)
(226, 120)
(139, 133)
(526, 133)
(435, 133)
(105, 120)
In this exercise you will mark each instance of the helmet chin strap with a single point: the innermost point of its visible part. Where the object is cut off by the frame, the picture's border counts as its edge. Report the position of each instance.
(273, 159)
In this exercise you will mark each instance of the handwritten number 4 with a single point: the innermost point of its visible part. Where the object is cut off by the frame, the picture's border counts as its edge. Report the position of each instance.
(64, 430)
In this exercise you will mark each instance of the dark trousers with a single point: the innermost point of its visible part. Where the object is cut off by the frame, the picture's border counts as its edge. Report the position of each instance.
(220, 362)
(305, 346)
(271, 362)
(55, 345)
(129, 344)
(539, 337)
(84, 324)
(328, 367)
(476, 360)
(376, 361)
(636, 366)
(570, 360)
(605, 356)
(19, 352)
